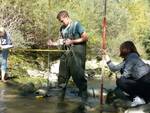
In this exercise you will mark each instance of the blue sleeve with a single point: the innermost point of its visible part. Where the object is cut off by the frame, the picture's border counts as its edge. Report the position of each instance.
(114, 67)
(79, 28)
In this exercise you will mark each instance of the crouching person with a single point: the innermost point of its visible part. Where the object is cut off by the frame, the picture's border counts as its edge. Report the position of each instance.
(135, 74)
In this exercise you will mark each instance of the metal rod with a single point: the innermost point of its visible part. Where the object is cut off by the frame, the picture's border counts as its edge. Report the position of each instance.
(39, 50)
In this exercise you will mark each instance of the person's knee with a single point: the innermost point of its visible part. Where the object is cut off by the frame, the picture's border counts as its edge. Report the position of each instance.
(121, 82)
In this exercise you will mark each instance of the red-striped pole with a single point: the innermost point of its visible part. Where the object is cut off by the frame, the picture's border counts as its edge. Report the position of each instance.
(104, 33)
(103, 44)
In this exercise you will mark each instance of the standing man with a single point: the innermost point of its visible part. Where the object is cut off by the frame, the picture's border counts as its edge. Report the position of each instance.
(5, 44)
(72, 62)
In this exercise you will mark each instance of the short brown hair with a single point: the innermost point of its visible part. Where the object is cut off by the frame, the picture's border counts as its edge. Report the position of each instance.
(126, 48)
(62, 13)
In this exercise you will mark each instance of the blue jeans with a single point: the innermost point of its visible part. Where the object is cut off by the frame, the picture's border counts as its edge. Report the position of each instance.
(3, 59)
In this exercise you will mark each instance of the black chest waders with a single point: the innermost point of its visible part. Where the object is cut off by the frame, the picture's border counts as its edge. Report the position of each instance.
(72, 63)
(66, 78)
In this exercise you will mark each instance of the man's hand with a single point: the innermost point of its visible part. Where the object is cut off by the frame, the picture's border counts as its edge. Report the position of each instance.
(49, 42)
(105, 55)
(57, 43)
(68, 42)
(106, 58)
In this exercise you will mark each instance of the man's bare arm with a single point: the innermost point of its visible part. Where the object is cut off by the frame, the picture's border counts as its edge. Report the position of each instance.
(83, 38)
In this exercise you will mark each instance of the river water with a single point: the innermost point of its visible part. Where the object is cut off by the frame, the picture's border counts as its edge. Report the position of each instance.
(11, 102)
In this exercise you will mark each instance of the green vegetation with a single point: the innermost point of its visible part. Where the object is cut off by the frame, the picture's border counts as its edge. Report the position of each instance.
(32, 22)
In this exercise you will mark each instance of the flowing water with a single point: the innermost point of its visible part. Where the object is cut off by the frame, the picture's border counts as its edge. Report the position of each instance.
(11, 102)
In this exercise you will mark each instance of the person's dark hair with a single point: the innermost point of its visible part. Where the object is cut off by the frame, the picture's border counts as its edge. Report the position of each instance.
(62, 13)
(126, 48)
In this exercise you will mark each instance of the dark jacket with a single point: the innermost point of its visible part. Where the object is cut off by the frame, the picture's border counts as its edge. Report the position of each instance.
(132, 66)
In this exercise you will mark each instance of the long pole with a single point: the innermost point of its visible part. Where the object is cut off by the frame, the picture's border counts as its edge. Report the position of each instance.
(103, 47)
(49, 35)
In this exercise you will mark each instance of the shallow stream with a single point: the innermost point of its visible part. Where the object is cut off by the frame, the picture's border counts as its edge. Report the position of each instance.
(11, 102)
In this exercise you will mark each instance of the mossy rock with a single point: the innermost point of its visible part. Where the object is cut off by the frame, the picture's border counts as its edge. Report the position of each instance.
(27, 89)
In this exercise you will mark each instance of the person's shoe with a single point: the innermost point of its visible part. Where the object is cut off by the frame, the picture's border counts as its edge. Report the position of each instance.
(137, 101)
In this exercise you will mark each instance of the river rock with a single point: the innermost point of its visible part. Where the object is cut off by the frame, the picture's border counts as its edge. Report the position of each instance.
(42, 92)
(55, 67)
(92, 64)
(52, 80)
(27, 89)
(34, 73)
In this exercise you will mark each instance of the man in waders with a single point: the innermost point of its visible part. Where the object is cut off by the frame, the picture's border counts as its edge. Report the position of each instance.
(72, 62)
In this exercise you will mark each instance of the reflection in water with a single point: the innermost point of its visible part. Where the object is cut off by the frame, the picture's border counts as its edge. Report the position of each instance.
(2, 105)
(61, 107)
(52, 104)
(79, 109)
